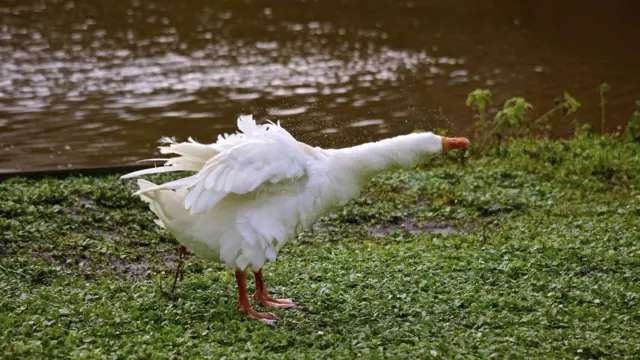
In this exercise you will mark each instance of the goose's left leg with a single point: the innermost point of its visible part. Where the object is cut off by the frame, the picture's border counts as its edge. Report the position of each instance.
(262, 294)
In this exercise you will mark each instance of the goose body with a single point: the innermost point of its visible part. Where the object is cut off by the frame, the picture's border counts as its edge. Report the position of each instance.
(252, 192)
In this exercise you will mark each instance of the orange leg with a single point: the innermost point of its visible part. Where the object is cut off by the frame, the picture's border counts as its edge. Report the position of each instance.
(262, 294)
(245, 306)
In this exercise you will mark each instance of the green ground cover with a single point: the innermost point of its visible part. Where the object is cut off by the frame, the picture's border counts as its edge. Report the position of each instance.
(532, 254)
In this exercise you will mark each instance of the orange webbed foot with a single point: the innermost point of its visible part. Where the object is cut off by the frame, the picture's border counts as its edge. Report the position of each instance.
(268, 301)
(268, 318)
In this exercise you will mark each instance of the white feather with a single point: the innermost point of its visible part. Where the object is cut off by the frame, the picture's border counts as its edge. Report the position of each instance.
(270, 254)
(156, 170)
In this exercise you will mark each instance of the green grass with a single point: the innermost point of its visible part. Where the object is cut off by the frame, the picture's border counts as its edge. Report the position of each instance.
(532, 255)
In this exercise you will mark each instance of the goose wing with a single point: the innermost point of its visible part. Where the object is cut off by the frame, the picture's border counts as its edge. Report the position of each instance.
(268, 155)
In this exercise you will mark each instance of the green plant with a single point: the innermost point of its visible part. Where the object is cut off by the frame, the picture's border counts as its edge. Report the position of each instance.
(442, 131)
(511, 116)
(570, 105)
(480, 99)
(603, 88)
(633, 129)
(582, 130)
(567, 105)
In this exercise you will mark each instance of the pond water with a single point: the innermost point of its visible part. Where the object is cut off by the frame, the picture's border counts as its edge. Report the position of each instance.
(96, 83)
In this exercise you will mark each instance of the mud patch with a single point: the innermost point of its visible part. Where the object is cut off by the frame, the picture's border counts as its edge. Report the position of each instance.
(97, 235)
(409, 225)
(130, 270)
(379, 230)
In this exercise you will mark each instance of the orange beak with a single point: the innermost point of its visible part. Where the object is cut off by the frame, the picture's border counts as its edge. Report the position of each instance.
(454, 143)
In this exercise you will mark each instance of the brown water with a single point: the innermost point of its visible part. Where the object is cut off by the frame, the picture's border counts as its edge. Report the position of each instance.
(93, 83)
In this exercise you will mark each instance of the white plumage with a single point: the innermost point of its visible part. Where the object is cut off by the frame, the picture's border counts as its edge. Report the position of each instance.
(254, 191)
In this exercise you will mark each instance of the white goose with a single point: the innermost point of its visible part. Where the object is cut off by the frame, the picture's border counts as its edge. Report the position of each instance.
(254, 191)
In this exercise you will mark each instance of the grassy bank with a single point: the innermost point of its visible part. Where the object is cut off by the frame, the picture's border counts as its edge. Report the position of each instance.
(532, 254)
